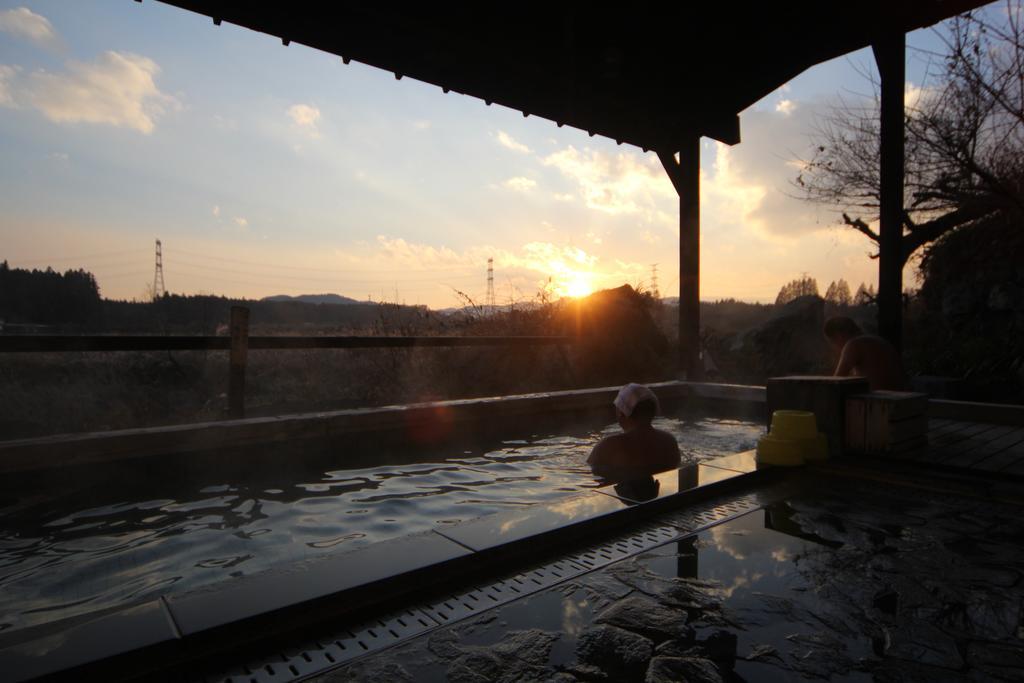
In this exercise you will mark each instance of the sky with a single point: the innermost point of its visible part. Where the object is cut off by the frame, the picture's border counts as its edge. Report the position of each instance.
(266, 169)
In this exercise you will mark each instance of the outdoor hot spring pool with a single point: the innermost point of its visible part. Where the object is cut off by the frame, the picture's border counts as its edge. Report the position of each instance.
(69, 556)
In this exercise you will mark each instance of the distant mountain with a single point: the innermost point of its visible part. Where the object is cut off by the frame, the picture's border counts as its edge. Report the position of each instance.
(313, 299)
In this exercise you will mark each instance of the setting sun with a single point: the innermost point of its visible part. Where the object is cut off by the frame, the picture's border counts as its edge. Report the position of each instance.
(579, 286)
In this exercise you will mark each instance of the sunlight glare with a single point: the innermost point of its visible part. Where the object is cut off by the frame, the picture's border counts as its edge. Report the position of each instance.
(579, 286)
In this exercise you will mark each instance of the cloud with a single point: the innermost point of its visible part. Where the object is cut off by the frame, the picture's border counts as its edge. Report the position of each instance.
(305, 117)
(421, 125)
(520, 184)
(216, 211)
(785, 106)
(224, 123)
(508, 142)
(625, 182)
(7, 75)
(725, 192)
(241, 222)
(22, 22)
(117, 90)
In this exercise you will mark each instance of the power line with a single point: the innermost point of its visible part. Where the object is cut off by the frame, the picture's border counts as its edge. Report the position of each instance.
(304, 268)
(58, 259)
(177, 263)
(112, 276)
(216, 278)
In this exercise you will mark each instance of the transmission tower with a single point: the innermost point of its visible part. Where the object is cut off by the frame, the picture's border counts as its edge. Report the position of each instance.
(490, 303)
(158, 275)
(654, 281)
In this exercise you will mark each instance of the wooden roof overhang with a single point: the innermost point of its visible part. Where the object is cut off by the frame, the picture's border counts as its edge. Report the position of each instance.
(648, 74)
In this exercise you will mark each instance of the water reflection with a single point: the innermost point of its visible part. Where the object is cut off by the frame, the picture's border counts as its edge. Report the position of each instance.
(142, 532)
(638, 490)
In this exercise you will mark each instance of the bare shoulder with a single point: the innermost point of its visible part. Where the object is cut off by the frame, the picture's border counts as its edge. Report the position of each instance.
(605, 447)
(668, 448)
(667, 438)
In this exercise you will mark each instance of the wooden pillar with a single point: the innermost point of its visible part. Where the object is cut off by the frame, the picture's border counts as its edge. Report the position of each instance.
(239, 358)
(890, 57)
(685, 176)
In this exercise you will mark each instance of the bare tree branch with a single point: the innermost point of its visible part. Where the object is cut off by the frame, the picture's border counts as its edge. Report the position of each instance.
(964, 145)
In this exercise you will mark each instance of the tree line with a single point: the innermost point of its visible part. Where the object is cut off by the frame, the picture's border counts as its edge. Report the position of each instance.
(47, 297)
(837, 294)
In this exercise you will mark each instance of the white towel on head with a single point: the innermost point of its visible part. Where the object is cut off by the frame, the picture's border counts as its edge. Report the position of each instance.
(630, 395)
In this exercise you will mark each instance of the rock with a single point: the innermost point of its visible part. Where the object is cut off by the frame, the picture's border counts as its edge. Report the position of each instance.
(588, 672)
(997, 659)
(481, 666)
(562, 677)
(922, 643)
(614, 650)
(520, 658)
(477, 666)
(688, 593)
(690, 669)
(720, 646)
(981, 615)
(389, 671)
(444, 644)
(886, 602)
(761, 652)
(819, 654)
(901, 671)
(603, 589)
(532, 646)
(645, 615)
(674, 648)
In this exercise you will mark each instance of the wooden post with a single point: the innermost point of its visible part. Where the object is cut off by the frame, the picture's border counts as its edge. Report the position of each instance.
(889, 55)
(685, 176)
(239, 358)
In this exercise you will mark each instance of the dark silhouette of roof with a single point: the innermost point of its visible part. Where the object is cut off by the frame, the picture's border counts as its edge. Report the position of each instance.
(650, 74)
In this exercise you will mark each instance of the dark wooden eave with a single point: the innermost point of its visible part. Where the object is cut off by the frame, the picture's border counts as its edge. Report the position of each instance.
(649, 74)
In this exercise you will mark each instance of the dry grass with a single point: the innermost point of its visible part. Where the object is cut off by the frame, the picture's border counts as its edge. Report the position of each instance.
(52, 394)
(77, 392)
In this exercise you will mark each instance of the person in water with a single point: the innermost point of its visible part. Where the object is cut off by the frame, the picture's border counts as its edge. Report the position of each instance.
(865, 355)
(640, 450)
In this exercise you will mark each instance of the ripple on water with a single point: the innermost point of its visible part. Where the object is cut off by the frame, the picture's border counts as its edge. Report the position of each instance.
(58, 559)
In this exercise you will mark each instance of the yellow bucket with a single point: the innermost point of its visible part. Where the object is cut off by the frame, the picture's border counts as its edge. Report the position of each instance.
(772, 450)
(794, 424)
(793, 439)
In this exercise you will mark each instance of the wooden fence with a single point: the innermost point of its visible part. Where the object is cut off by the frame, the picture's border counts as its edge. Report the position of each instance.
(239, 344)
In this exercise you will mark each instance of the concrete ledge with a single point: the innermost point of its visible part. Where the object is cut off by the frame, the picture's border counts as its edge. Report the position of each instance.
(132, 635)
(968, 411)
(144, 638)
(414, 421)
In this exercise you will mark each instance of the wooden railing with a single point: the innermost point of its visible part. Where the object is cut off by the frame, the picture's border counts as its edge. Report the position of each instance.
(240, 343)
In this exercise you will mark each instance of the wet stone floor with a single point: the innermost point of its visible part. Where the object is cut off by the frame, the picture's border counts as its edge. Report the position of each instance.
(839, 581)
